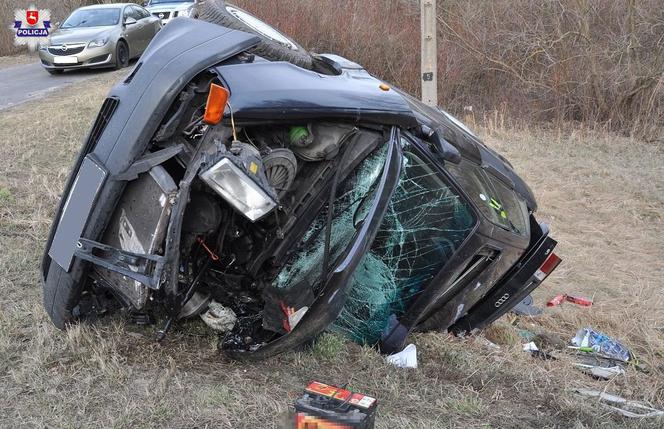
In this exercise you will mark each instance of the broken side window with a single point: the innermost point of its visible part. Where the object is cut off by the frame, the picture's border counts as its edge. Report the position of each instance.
(425, 224)
(495, 200)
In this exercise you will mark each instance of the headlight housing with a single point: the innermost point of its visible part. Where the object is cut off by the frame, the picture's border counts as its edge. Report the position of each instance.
(239, 178)
(97, 43)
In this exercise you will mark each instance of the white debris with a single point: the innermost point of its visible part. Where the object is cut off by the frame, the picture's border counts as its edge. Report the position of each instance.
(219, 317)
(530, 347)
(406, 358)
(605, 373)
(621, 405)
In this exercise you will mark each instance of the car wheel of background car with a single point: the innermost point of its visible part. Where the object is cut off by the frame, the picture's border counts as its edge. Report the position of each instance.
(121, 55)
(273, 46)
(54, 71)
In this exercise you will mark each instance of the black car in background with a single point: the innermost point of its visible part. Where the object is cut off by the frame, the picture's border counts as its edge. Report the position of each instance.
(279, 194)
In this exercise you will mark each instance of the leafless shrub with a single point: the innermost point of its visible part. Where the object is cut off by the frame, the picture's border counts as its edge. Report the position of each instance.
(594, 61)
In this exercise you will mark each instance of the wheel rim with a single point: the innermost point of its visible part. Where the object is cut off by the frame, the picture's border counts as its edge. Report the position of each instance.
(122, 54)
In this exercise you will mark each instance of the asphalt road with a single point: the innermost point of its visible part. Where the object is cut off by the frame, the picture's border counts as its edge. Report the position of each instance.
(19, 84)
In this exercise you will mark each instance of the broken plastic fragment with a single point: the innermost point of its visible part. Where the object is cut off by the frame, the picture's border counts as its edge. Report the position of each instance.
(294, 319)
(219, 318)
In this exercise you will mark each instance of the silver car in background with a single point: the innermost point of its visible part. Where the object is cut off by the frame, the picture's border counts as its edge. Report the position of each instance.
(166, 10)
(99, 36)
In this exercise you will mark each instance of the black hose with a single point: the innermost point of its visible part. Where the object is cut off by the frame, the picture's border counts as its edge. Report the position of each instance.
(330, 205)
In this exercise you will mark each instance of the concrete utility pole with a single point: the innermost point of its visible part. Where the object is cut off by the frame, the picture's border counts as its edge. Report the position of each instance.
(429, 53)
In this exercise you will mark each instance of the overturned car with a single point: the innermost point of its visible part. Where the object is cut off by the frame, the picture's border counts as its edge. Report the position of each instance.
(278, 197)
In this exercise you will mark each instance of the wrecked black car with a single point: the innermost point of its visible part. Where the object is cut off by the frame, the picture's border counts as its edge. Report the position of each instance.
(278, 198)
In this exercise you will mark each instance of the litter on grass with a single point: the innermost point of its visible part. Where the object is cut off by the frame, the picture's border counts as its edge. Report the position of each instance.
(605, 373)
(406, 358)
(530, 347)
(559, 299)
(623, 406)
(588, 340)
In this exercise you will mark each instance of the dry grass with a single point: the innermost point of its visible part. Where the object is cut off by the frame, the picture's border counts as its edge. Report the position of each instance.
(603, 196)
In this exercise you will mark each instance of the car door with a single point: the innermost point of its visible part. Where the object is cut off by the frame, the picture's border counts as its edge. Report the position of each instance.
(154, 23)
(143, 29)
(148, 25)
(132, 32)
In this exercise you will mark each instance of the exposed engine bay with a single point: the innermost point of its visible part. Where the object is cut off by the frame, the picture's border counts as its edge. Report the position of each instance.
(252, 192)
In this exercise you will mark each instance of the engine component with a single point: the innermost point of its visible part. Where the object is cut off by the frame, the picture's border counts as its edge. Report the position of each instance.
(197, 304)
(238, 176)
(280, 169)
(325, 143)
(203, 214)
(219, 318)
(301, 136)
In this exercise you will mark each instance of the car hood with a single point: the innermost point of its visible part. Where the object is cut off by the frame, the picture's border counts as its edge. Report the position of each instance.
(78, 35)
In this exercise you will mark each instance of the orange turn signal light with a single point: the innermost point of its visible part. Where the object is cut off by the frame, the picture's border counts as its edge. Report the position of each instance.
(216, 104)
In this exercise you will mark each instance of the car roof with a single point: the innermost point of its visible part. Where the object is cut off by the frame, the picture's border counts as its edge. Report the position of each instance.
(108, 6)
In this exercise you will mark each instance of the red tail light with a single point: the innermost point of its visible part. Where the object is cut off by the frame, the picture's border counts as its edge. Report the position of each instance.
(550, 264)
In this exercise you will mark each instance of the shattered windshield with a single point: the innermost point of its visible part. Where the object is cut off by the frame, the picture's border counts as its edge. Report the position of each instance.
(425, 224)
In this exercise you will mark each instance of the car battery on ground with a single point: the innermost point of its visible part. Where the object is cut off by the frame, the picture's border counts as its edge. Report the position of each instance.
(329, 407)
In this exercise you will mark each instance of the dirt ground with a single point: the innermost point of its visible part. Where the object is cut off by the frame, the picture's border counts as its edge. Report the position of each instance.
(15, 60)
(602, 194)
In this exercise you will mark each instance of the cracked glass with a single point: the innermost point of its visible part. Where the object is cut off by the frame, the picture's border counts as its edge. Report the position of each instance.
(425, 224)
(496, 201)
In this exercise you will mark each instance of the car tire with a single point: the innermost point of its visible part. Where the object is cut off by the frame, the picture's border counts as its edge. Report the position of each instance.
(121, 55)
(54, 71)
(62, 292)
(217, 12)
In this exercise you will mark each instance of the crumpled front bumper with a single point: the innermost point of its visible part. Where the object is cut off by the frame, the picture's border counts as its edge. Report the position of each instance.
(121, 134)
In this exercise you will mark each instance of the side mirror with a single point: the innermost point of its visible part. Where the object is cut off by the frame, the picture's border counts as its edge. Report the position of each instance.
(57, 24)
(130, 21)
(146, 3)
(443, 148)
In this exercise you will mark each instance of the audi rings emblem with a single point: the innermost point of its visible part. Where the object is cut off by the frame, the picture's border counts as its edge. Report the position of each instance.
(502, 300)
